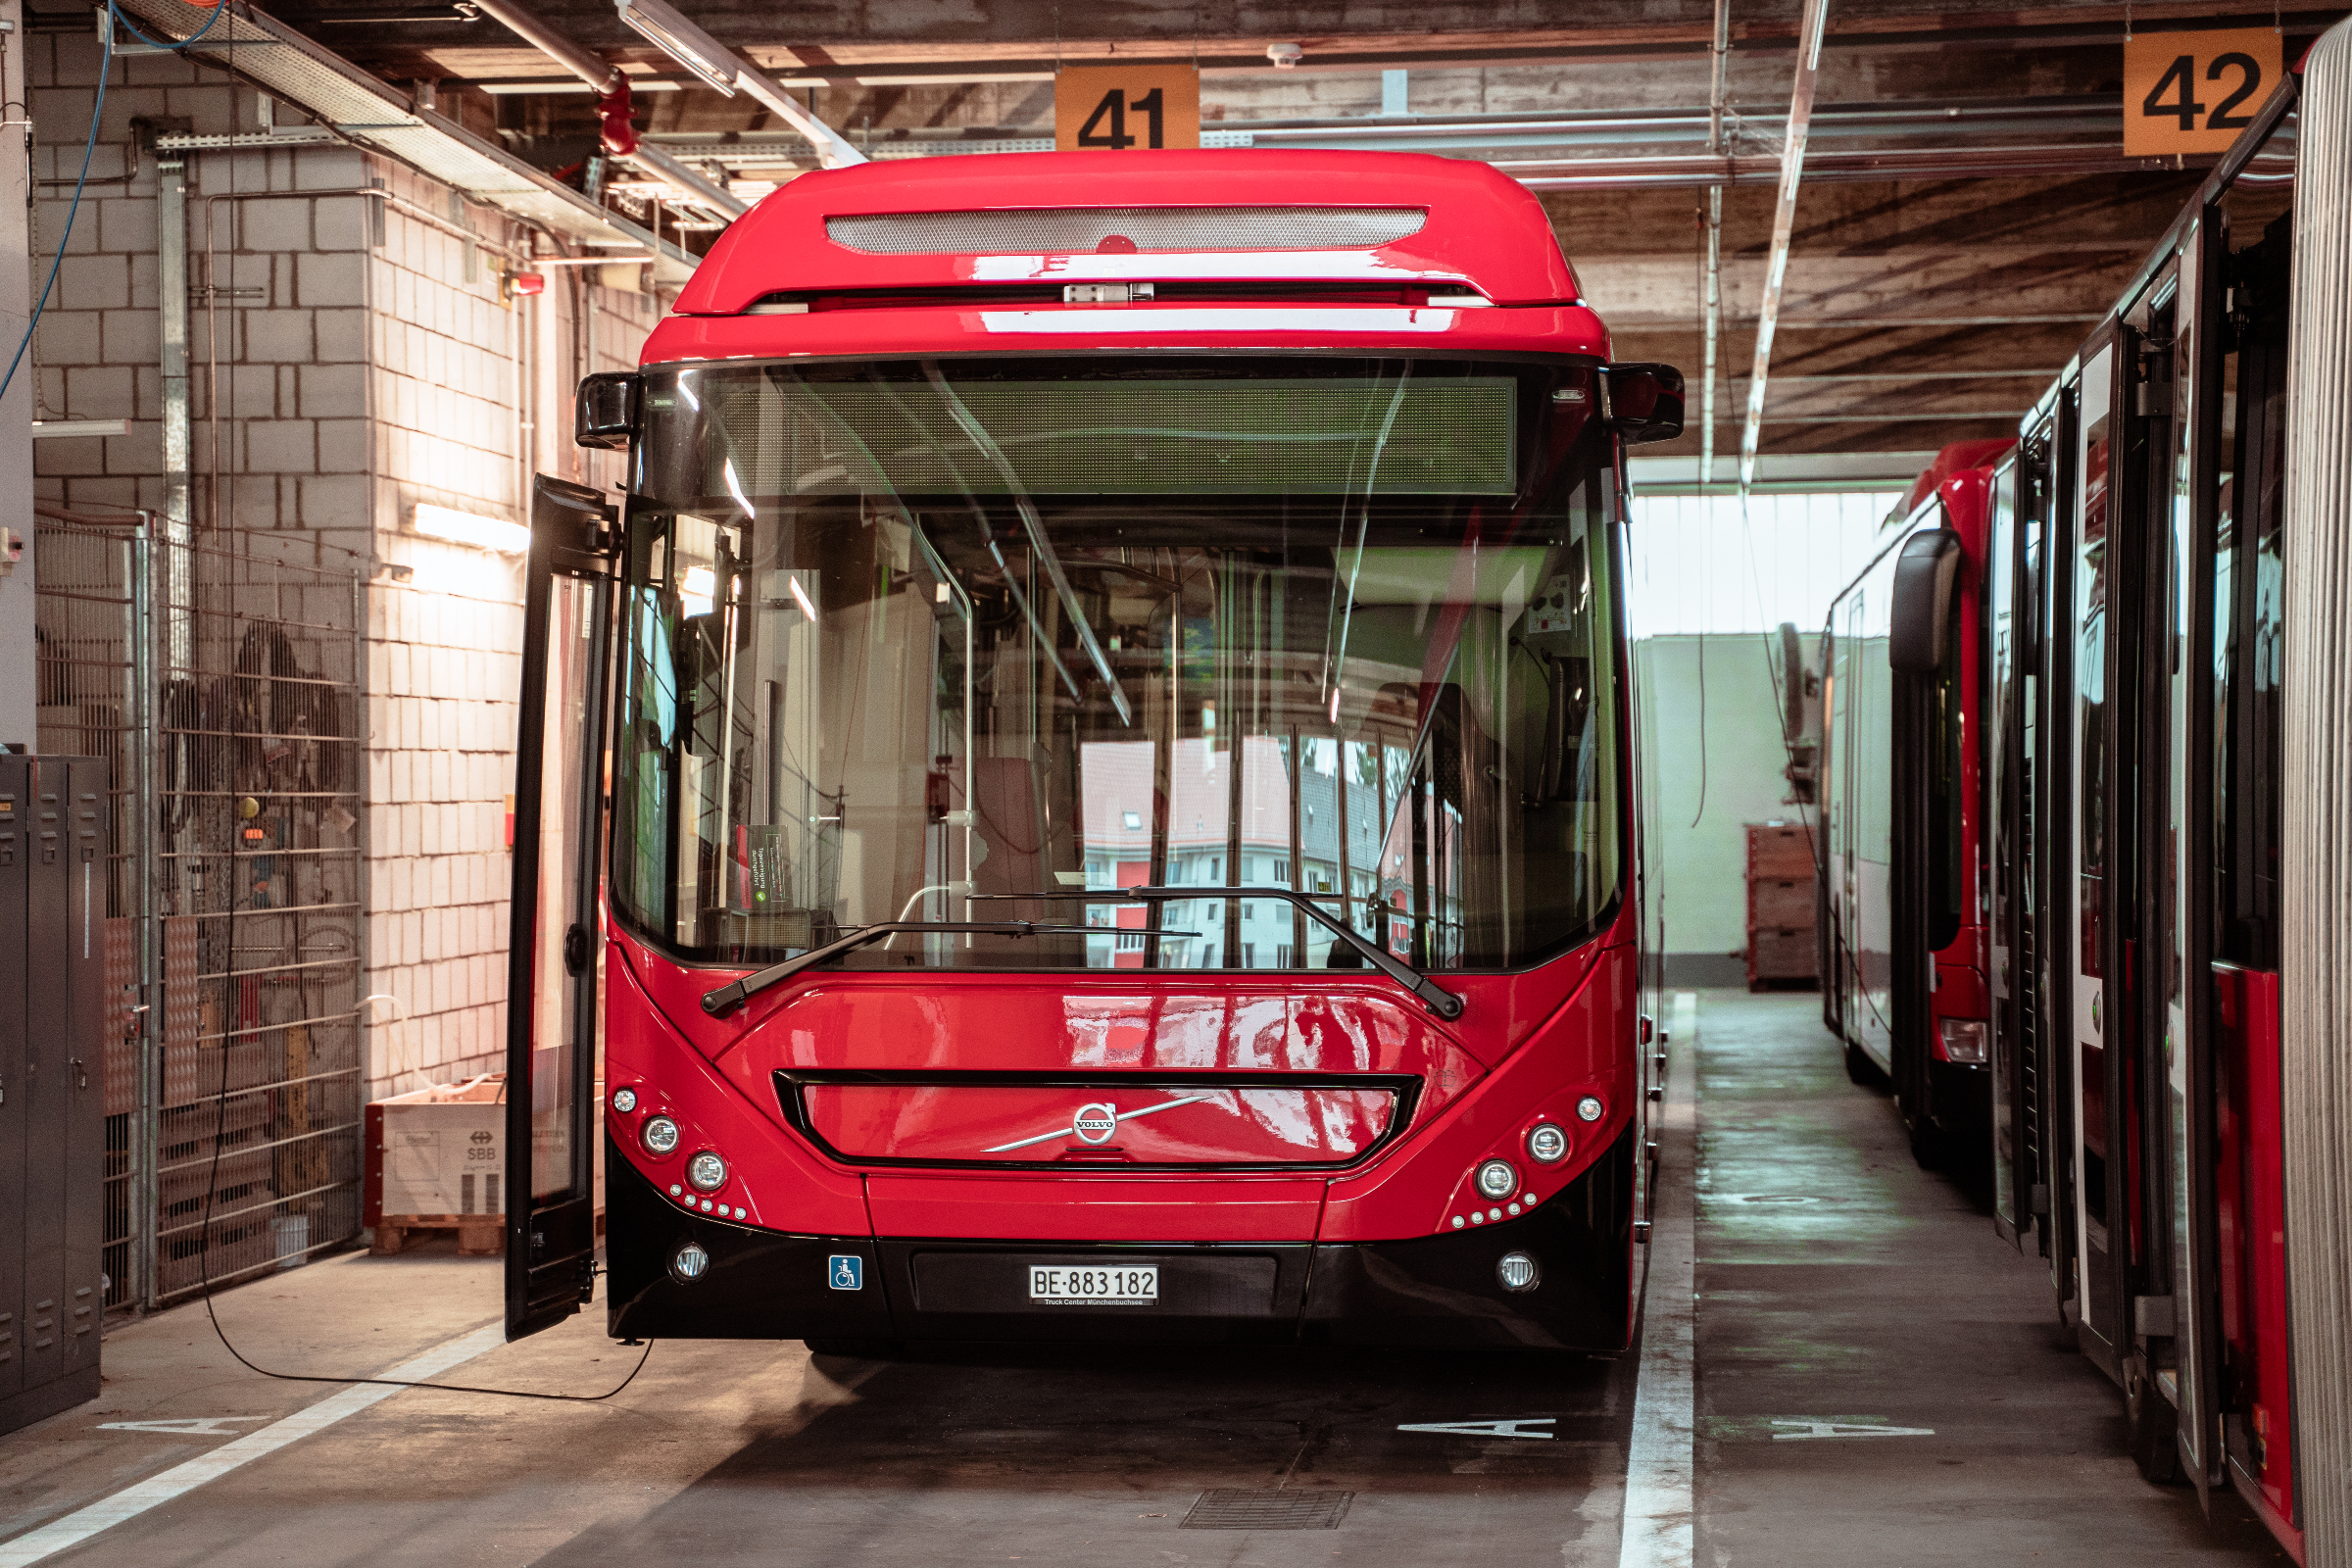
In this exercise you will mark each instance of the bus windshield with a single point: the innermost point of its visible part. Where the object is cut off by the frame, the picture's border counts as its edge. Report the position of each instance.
(959, 640)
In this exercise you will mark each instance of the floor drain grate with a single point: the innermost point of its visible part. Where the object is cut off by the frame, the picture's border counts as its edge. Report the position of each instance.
(1230, 1508)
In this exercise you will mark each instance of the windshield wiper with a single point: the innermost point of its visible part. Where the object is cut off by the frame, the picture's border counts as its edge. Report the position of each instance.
(1439, 1000)
(731, 995)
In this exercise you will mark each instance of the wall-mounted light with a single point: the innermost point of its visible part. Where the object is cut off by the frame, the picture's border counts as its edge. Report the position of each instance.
(466, 528)
(689, 45)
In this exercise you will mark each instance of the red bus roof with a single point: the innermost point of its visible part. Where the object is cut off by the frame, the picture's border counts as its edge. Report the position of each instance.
(1480, 229)
(1958, 458)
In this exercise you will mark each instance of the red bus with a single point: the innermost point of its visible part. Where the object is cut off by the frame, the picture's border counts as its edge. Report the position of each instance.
(1083, 789)
(1901, 826)
(2167, 870)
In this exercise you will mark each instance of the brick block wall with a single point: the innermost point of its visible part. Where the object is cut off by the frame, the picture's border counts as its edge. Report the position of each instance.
(367, 362)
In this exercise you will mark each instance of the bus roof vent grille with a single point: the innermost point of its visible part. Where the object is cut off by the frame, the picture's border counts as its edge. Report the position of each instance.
(1074, 230)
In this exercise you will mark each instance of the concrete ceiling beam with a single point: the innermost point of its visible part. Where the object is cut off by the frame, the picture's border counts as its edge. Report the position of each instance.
(843, 35)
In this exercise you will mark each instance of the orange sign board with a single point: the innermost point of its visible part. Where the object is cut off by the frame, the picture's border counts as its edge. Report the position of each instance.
(2193, 92)
(1116, 108)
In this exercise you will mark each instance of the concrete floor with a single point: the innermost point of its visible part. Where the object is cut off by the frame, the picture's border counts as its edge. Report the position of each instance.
(1838, 1286)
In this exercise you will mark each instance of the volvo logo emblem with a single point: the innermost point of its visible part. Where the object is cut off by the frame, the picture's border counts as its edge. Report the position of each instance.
(1097, 1123)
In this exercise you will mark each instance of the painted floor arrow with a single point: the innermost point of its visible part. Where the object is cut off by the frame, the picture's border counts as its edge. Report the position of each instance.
(191, 1426)
(1486, 1429)
(1842, 1429)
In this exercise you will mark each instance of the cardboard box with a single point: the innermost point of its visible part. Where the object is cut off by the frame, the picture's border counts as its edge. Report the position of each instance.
(438, 1152)
(435, 1158)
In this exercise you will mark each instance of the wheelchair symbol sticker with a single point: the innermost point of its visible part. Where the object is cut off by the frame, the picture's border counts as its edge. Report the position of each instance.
(847, 1272)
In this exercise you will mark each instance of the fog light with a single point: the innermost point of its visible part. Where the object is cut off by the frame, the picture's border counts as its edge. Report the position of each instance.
(1518, 1271)
(661, 1135)
(1547, 1144)
(1963, 1040)
(690, 1262)
(1498, 1179)
(706, 1171)
(625, 1099)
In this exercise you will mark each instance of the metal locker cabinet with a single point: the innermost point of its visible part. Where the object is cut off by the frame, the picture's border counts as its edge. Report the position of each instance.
(16, 819)
(48, 1024)
(83, 1070)
(55, 929)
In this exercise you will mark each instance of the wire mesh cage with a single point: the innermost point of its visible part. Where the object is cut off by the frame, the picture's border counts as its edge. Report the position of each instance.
(220, 682)
(259, 894)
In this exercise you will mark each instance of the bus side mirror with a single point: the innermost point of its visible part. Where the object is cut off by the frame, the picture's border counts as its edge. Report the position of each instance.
(1919, 623)
(604, 412)
(1642, 402)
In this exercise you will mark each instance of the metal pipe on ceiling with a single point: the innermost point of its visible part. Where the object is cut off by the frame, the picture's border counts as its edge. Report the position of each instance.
(600, 76)
(1783, 224)
(678, 35)
(1717, 94)
(594, 71)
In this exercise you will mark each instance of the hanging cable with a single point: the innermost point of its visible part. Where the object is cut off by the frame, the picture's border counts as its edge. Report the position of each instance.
(219, 8)
(204, 1270)
(106, 61)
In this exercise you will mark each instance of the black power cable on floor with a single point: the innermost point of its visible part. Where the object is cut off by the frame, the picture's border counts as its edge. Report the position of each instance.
(204, 1269)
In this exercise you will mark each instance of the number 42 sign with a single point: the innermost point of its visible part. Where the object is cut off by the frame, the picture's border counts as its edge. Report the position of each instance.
(2193, 92)
(1119, 107)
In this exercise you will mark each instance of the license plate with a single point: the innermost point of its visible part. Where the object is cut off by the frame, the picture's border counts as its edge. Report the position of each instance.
(1094, 1287)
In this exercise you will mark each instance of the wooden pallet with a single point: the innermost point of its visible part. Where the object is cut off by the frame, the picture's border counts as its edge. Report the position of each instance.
(1781, 908)
(479, 1235)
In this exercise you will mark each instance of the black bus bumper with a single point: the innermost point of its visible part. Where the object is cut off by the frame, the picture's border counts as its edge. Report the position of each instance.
(1442, 1290)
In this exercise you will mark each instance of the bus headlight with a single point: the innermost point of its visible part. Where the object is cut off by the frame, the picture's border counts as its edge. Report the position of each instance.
(1496, 1179)
(624, 1100)
(1963, 1040)
(1588, 1108)
(1547, 1144)
(1518, 1271)
(688, 1262)
(706, 1171)
(661, 1135)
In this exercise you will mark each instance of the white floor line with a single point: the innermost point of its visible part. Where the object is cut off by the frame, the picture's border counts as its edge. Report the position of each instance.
(80, 1525)
(1660, 1457)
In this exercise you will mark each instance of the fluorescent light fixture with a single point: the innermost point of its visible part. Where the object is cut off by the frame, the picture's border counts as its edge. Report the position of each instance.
(552, 85)
(668, 31)
(466, 528)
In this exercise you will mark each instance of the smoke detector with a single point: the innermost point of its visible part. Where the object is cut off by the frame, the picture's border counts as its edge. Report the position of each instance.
(1285, 55)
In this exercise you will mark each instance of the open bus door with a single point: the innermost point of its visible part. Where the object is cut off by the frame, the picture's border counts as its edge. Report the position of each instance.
(2183, 911)
(552, 986)
(2004, 731)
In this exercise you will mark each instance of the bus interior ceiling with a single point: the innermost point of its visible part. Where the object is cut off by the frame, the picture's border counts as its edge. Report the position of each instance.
(896, 878)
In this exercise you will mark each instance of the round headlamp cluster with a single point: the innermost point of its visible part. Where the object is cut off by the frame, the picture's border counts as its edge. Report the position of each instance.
(1547, 1144)
(706, 1171)
(661, 1135)
(1496, 1179)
